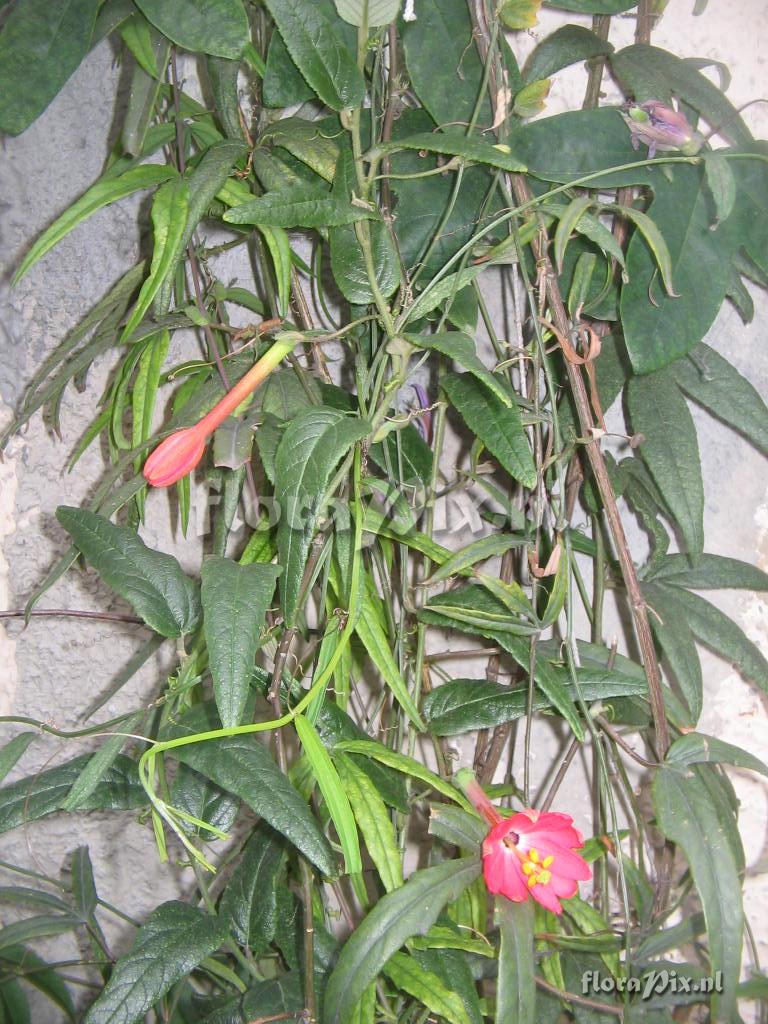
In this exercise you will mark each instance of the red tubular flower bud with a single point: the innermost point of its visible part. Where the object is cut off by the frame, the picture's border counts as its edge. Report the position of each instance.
(174, 457)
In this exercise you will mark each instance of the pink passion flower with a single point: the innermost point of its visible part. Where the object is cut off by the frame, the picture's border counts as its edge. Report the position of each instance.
(530, 854)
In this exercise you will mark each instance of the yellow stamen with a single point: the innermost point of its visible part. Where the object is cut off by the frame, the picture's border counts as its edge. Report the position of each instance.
(534, 868)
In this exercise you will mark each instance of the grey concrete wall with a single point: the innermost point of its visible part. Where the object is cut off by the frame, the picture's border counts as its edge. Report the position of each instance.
(55, 667)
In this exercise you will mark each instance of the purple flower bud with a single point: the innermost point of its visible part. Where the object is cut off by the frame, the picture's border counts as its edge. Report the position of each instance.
(424, 421)
(661, 128)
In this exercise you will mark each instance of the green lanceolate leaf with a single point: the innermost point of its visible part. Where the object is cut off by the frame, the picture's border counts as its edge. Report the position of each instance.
(458, 827)
(174, 939)
(660, 328)
(410, 910)
(579, 143)
(37, 972)
(560, 49)
(223, 73)
(99, 764)
(403, 763)
(104, 192)
(477, 551)
(368, 12)
(243, 766)
(203, 182)
(317, 49)
(461, 348)
(720, 634)
(151, 581)
(670, 450)
(376, 643)
(311, 447)
(249, 903)
(235, 599)
(41, 926)
(299, 206)
(715, 384)
(13, 750)
(677, 642)
(169, 218)
(409, 976)
(336, 800)
(685, 813)
(499, 427)
(655, 241)
(219, 27)
(711, 572)
(516, 994)
(40, 47)
(373, 820)
(462, 705)
(84, 895)
(697, 748)
(45, 792)
(467, 147)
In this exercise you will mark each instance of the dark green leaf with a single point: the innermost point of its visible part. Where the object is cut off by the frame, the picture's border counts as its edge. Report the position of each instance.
(42, 926)
(249, 903)
(516, 993)
(579, 143)
(171, 943)
(151, 581)
(204, 800)
(348, 263)
(219, 27)
(499, 427)
(334, 725)
(687, 816)
(235, 600)
(203, 182)
(674, 636)
(461, 705)
(108, 190)
(450, 966)
(461, 348)
(425, 986)
(659, 328)
(715, 630)
(169, 218)
(311, 447)
(422, 203)
(318, 50)
(13, 750)
(670, 450)
(299, 206)
(696, 748)
(223, 73)
(84, 894)
(410, 910)
(453, 825)
(40, 47)
(243, 766)
(469, 148)
(711, 572)
(35, 971)
(648, 72)
(99, 764)
(45, 792)
(715, 384)
(284, 85)
(335, 797)
(443, 65)
(566, 46)
(373, 821)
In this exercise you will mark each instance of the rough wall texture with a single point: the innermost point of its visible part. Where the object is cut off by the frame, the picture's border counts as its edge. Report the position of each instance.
(52, 669)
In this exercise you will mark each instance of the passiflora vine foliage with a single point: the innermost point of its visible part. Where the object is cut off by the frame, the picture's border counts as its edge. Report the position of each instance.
(380, 172)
